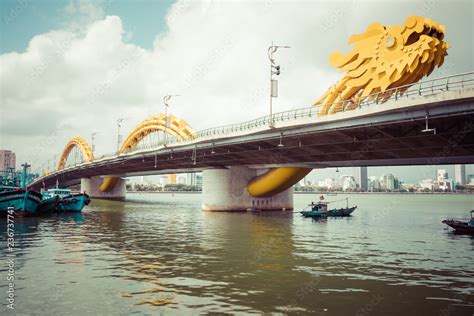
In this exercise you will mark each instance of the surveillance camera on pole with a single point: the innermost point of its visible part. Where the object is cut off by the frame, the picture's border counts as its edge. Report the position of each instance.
(274, 70)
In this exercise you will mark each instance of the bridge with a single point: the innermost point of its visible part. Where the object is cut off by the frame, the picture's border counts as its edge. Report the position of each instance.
(376, 115)
(431, 123)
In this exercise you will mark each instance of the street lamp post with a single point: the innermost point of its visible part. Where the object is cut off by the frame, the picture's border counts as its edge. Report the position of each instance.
(92, 142)
(274, 70)
(119, 137)
(166, 100)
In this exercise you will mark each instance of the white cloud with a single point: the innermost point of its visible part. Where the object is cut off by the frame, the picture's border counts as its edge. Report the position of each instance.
(72, 82)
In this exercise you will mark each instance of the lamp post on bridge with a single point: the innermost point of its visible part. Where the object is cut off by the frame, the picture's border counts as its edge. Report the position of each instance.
(92, 141)
(274, 70)
(166, 100)
(119, 137)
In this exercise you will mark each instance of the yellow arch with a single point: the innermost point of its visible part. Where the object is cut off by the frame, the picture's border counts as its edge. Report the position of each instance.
(383, 57)
(177, 127)
(80, 143)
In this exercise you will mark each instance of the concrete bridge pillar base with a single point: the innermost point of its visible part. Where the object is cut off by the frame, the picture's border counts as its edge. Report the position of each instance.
(226, 190)
(91, 187)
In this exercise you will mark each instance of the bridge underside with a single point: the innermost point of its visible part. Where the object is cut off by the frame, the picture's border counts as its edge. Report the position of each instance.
(399, 142)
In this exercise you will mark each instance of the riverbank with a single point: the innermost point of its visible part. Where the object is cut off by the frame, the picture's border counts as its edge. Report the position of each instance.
(301, 192)
(409, 193)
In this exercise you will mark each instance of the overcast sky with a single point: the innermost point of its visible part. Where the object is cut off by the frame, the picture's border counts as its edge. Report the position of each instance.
(72, 68)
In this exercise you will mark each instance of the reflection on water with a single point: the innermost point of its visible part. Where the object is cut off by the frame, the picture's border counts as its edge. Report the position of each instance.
(161, 253)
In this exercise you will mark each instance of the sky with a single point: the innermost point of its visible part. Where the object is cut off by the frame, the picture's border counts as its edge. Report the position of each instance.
(74, 67)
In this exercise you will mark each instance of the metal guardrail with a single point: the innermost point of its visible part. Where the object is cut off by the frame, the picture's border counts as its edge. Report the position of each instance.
(454, 82)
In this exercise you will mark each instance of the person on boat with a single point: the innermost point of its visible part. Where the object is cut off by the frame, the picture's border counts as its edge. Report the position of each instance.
(471, 221)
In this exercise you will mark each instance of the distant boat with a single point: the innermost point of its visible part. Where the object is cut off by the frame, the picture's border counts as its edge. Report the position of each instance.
(64, 200)
(320, 209)
(461, 227)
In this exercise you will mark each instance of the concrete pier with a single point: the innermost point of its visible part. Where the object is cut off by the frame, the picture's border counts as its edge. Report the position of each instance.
(226, 190)
(91, 187)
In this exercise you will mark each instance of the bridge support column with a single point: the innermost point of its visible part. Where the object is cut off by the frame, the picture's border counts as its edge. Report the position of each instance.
(226, 190)
(91, 187)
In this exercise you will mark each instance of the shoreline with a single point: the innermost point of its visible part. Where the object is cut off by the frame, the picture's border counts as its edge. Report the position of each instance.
(314, 192)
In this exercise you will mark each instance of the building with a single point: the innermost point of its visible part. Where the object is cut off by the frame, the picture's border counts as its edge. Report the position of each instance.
(329, 183)
(460, 174)
(429, 184)
(163, 180)
(172, 178)
(7, 160)
(389, 182)
(373, 184)
(194, 178)
(442, 180)
(360, 176)
(446, 185)
(470, 179)
(441, 174)
(181, 179)
(348, 183)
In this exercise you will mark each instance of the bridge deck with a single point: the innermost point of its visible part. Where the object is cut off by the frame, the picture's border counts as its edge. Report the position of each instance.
(386, 134)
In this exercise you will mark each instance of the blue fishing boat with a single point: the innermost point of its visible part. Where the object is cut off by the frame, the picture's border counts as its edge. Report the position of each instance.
(48, 204)
(64, 200)
(461, 227)
(22, 200)
(320, 209)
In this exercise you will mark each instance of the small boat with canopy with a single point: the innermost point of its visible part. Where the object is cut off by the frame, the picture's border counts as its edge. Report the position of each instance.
(321, 209)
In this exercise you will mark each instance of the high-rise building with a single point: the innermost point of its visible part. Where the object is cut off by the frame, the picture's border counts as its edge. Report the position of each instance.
(360, 176)
(460, 174)
(373, 184)
(194, 178)
(389, 182)
(7, 160)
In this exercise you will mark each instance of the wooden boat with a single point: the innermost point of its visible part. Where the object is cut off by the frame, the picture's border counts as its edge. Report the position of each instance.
(461, 227)
(48, 204)
(320, 209)
(23, 201)
(16, 196)
(64, 200)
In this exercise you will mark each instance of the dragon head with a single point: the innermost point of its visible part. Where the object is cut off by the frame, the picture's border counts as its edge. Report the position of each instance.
(385, 57)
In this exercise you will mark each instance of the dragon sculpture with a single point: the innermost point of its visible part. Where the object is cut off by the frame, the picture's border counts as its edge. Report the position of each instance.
(384, 57)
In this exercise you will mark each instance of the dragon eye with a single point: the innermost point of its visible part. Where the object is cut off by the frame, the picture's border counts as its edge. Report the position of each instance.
(390, 41)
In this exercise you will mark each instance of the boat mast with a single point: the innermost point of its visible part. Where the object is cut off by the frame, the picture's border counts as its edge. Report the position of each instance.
(24, 174)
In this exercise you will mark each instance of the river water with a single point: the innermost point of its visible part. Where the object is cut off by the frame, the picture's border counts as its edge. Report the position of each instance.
(160, 254)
